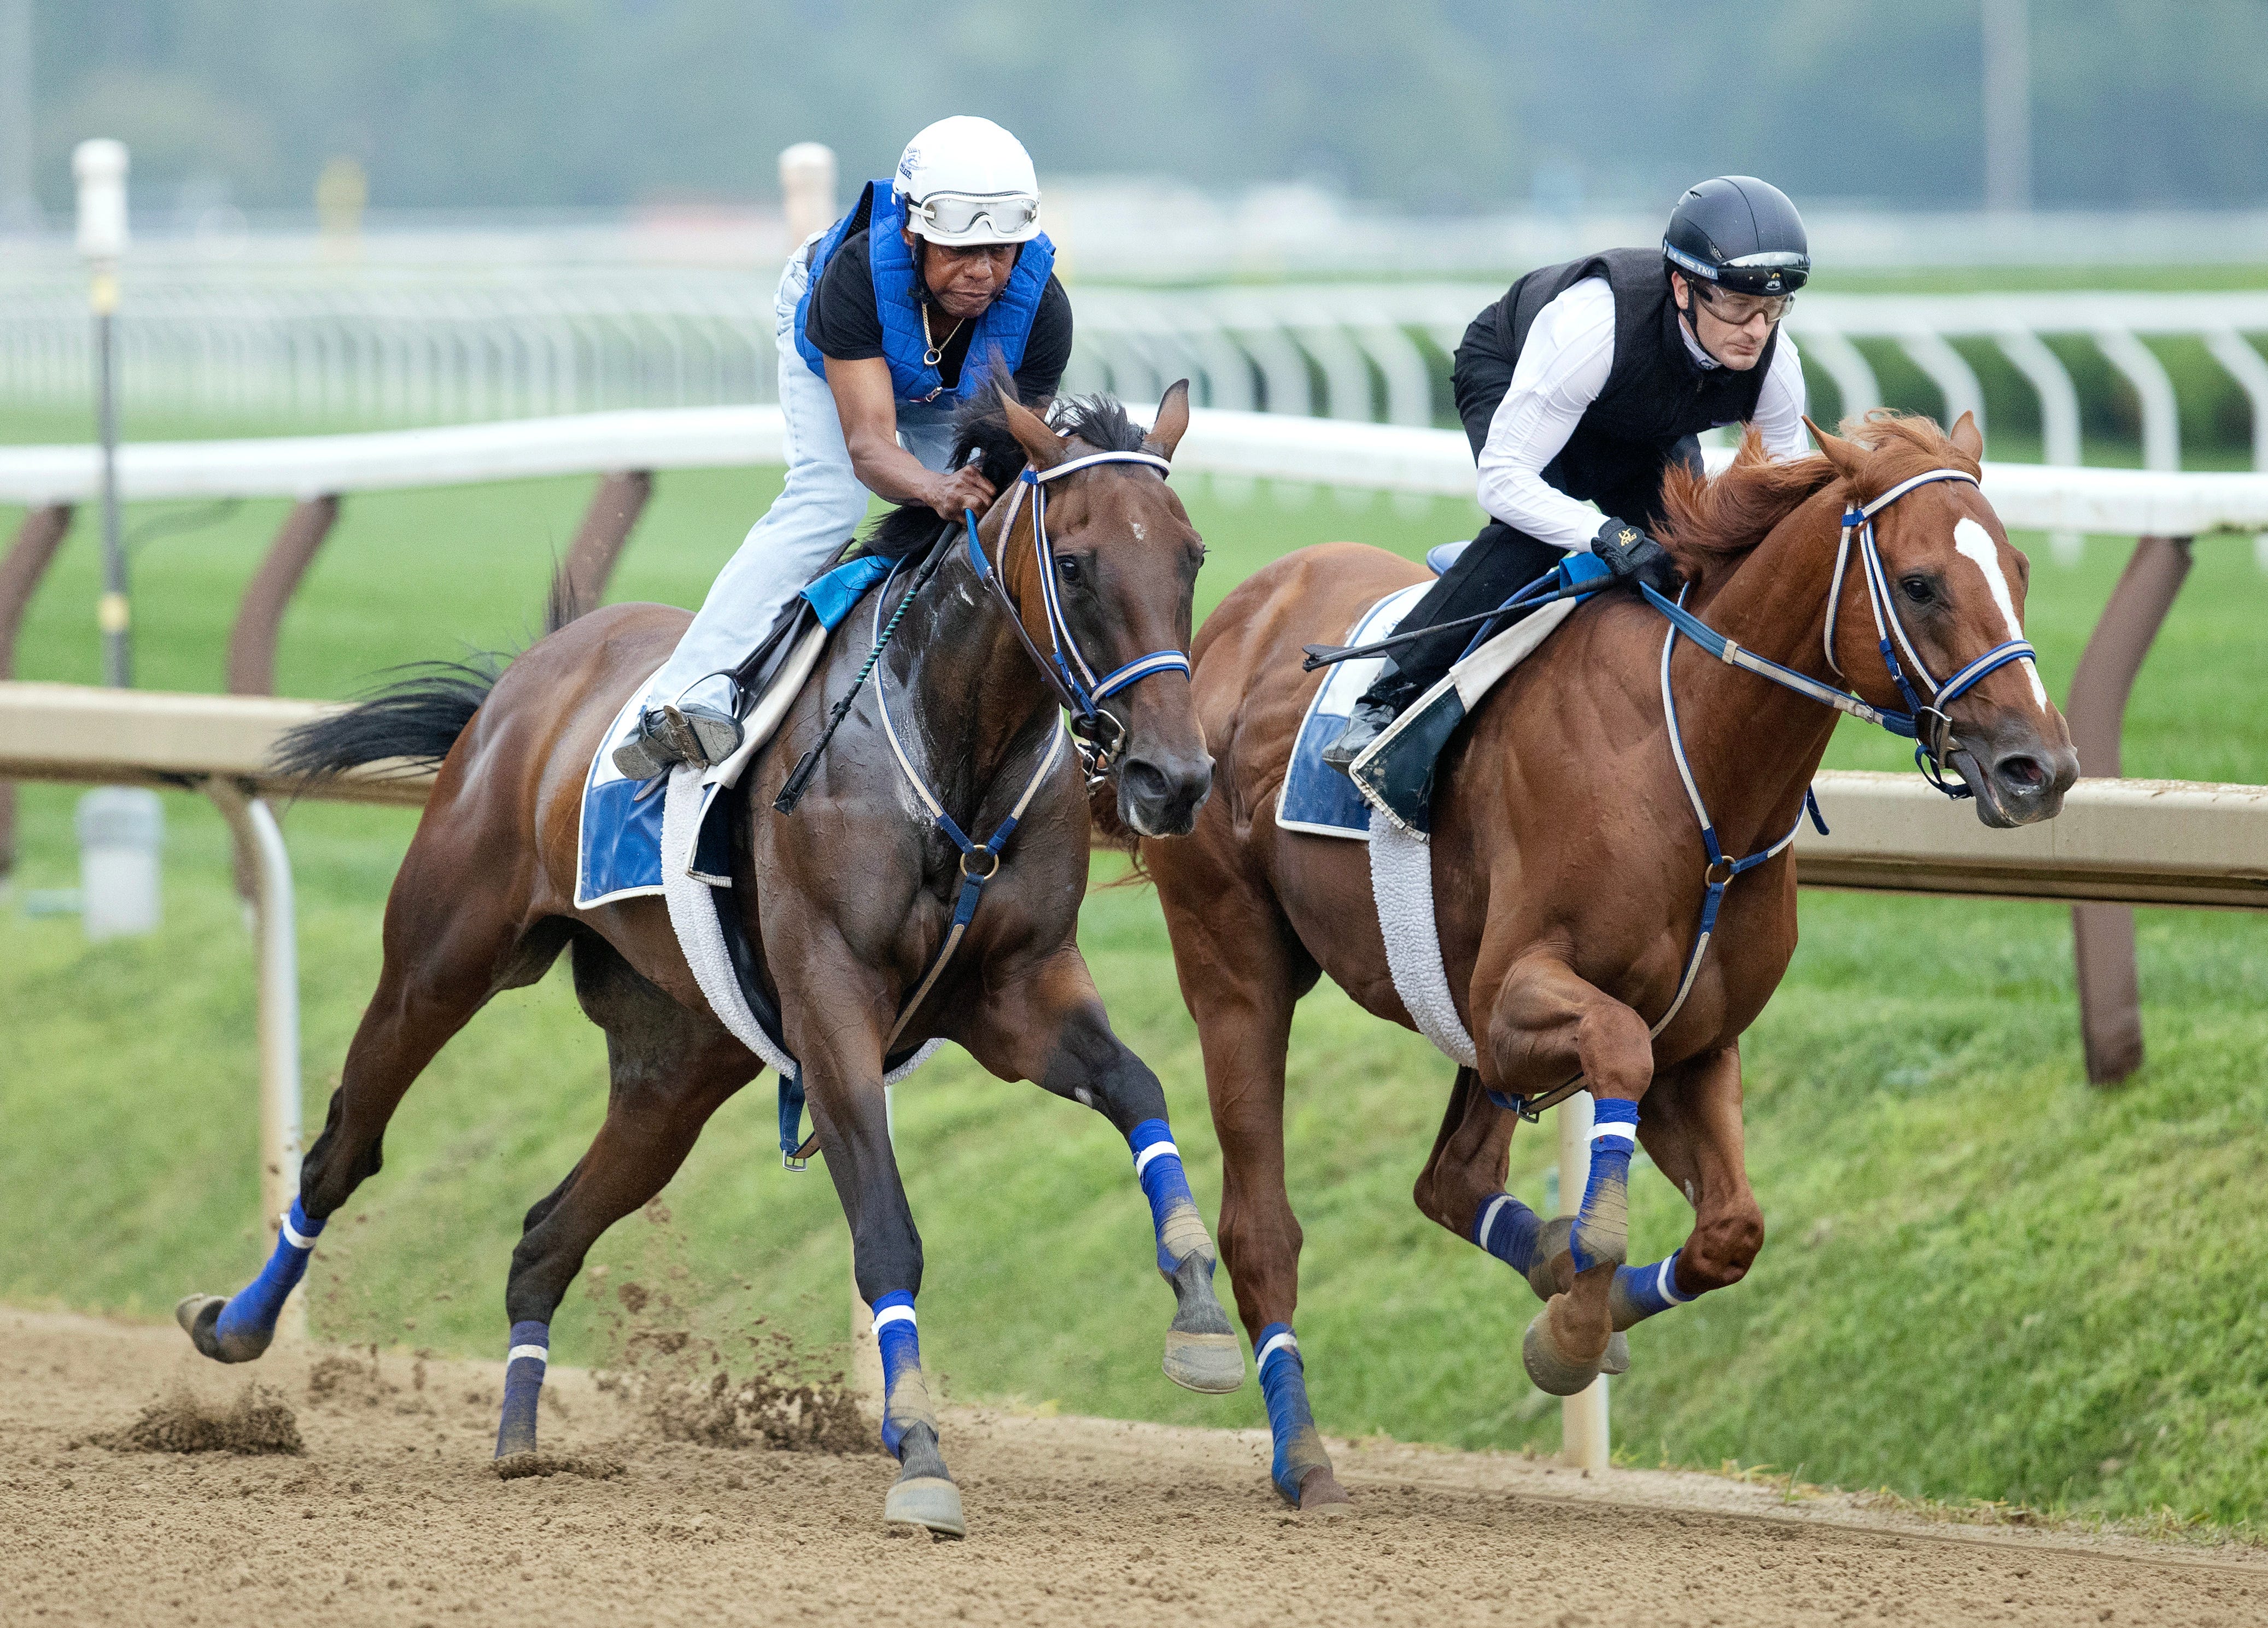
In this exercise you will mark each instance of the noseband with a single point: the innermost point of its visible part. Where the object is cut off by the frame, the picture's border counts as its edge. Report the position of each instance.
(1099, 735)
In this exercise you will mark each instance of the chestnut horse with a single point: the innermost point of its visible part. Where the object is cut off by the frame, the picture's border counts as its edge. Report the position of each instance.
(844, 905)
(1569, 873)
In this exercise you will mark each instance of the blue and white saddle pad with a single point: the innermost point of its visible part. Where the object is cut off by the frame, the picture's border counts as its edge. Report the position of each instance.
(618, 845)
(1316, 798)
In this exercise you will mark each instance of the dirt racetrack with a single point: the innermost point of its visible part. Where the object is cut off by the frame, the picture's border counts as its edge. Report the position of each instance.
(392, 1515)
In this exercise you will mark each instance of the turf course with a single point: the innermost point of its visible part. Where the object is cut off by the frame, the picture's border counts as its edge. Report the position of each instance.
(1984, 1279)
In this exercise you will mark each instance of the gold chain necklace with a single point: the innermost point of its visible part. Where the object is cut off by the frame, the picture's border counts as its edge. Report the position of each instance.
(935, 353)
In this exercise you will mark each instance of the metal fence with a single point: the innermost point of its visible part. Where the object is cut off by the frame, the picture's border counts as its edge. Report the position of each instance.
(371, 348)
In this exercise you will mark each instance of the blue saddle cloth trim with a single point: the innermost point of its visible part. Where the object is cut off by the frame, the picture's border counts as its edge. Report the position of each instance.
(1317, 799)
(833, 596)
(621, 847)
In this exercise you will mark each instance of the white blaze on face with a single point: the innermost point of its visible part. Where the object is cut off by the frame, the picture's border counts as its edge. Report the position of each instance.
(1972, 542)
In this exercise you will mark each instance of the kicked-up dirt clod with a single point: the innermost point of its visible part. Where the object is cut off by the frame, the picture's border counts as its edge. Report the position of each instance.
(257, 1421)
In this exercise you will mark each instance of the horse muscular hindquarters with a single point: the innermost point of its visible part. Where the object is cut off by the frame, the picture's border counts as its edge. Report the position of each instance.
(846, 903)
(1569, 873)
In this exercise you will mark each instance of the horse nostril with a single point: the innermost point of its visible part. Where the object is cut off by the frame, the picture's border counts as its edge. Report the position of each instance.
(2021, 771)
(1144, 782)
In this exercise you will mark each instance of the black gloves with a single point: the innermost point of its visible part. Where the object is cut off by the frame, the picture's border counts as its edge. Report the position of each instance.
(1630, 556)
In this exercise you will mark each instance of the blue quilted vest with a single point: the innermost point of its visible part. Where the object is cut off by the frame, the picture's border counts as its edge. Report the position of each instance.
(1005, 326)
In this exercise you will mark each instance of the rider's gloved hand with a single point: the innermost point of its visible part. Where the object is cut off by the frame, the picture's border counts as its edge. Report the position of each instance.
(1630, 556)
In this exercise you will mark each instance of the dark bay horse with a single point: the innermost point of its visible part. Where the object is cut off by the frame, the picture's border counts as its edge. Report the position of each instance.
(1570, 872)
(844, 903)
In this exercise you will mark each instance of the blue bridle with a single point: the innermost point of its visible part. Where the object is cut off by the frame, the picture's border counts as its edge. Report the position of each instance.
(1075, 681)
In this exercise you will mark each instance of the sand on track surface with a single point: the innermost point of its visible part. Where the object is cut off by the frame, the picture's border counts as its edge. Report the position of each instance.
(391, 1515)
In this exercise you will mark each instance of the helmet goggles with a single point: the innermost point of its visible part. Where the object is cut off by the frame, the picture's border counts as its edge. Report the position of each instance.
(1730, 306)
(954, 217)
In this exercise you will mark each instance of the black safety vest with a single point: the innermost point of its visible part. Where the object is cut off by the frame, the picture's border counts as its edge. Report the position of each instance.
(1656, 396)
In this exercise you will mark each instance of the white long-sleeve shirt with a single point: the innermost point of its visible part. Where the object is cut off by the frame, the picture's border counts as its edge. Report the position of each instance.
(1563, 368)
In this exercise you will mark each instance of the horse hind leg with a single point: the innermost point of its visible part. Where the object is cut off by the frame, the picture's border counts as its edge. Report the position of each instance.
(668, 1070)
(447, 953)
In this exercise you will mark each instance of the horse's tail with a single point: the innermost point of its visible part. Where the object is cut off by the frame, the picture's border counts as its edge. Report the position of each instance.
(417, 719)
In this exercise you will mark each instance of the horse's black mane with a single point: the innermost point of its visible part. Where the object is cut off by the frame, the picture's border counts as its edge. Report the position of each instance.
(981, 426)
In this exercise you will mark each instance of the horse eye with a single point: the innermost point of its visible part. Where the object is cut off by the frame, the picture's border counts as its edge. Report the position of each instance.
(1918, 589)
(1069, 567)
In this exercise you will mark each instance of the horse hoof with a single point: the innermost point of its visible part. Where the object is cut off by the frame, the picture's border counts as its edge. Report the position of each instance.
(929, 1501)
(1617, 1357)
(1549, 1372)
(1322, 1497)
(199, 1315)
(1210, 1363)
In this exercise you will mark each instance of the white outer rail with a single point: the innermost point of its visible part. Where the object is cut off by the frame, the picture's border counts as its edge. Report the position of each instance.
(1268, 446)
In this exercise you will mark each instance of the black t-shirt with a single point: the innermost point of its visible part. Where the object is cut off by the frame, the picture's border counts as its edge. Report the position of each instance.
(844, 323)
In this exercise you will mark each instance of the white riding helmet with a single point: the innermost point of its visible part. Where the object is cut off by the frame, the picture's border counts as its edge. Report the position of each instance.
(965, 180)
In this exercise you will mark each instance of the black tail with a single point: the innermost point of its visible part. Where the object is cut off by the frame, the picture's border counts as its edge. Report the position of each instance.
(417, 718)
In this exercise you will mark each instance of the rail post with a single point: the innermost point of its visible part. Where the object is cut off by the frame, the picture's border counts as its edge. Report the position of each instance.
(807, 172)
(42, 534)
(260, 853)
(2102, 935)
(1584, 1442)
(259, 616)
(580, 582)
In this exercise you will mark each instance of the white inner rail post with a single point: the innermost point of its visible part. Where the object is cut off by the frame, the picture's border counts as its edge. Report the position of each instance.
(275, 925)
(1583, 1431)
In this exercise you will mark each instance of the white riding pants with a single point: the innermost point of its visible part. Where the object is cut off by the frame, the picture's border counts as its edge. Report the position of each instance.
(818, 511)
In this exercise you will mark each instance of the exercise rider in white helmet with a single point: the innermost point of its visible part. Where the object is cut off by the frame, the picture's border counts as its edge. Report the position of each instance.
(887, 321)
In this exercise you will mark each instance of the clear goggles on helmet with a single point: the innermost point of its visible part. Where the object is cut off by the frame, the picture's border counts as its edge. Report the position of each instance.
(1740, 310)
(955, 215)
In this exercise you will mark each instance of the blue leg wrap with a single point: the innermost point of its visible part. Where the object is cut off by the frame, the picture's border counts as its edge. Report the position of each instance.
(905, 1393)
(1603, 1225)
(251, 1312)
(1283, 1382)
(1639, 1292)
(1173, 1206)
(523, 1385)
(1508, 1229)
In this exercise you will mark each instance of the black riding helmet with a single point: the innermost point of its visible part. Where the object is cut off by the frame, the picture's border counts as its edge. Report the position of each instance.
(1740, 233)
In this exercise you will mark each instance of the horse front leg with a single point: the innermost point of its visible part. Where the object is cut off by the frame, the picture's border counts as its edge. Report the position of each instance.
(840, 1063)
(1051, 1027)
(1546, 1024)
(1462, 1188)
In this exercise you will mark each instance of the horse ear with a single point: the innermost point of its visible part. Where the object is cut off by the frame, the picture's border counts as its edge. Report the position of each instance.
(1966, 439)
(1042, 447)
(1172, 420)
(1848, 457)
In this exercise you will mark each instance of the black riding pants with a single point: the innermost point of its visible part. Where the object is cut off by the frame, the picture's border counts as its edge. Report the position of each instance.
(1501, 559)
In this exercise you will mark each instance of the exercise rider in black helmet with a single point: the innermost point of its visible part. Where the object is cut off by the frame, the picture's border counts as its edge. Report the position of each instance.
(1583, 385)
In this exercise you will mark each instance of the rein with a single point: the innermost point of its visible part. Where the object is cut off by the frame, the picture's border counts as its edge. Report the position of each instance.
(1929, 753)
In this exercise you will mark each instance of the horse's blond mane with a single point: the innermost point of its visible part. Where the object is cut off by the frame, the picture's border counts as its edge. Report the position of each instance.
(1708, 523)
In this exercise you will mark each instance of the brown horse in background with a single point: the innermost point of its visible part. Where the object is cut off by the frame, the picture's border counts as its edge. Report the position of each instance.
(1569, 873)
(842, 906)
